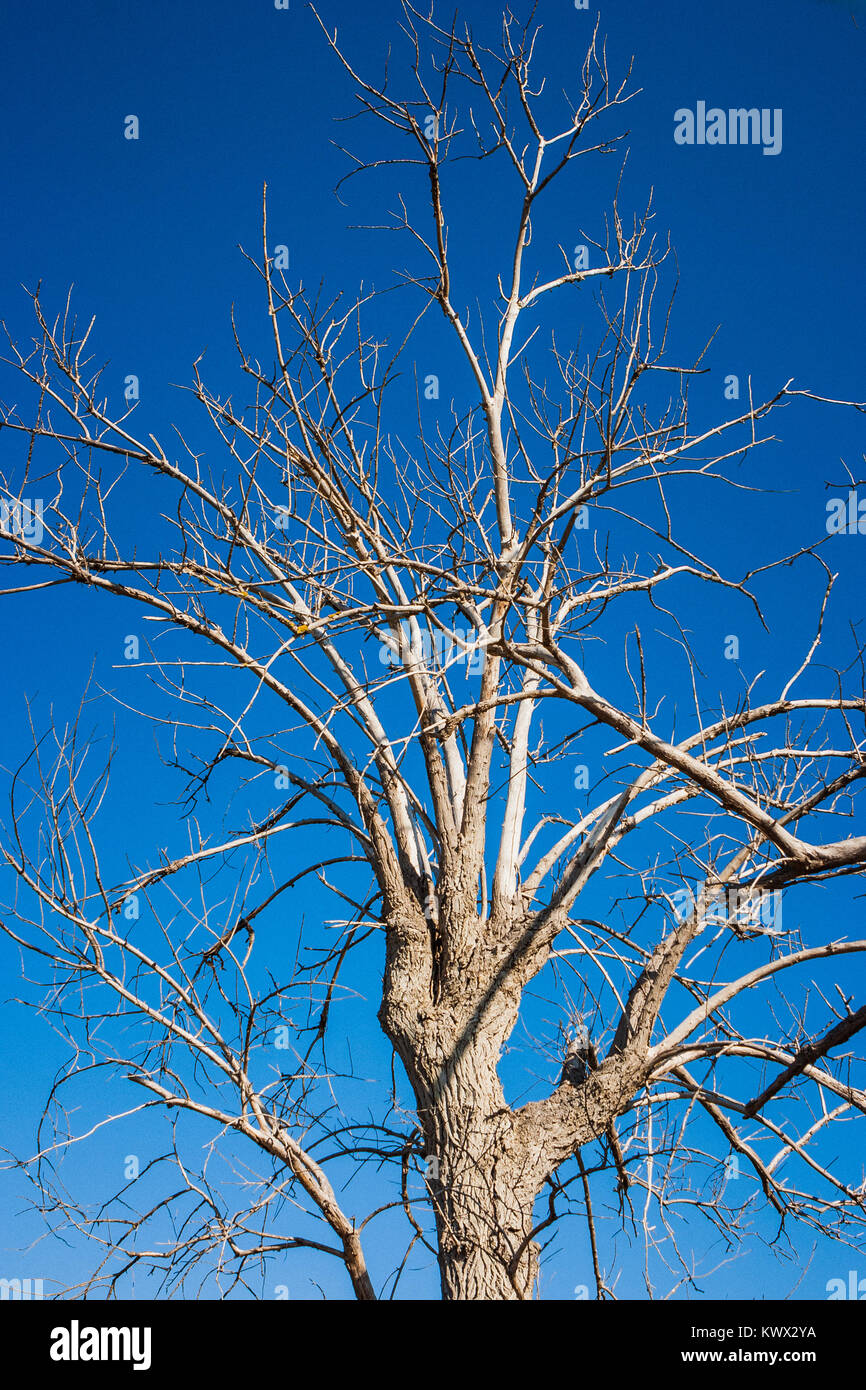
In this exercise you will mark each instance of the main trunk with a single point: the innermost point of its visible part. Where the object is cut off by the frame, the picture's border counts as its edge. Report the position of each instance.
(482, 1175)
(482, 1191)
(483, 1217)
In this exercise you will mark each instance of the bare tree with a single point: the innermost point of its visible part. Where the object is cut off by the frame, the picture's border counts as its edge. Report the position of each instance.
(319, 594)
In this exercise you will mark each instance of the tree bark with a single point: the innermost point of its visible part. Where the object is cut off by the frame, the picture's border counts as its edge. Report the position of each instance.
(484, 1219)
(482, 1199)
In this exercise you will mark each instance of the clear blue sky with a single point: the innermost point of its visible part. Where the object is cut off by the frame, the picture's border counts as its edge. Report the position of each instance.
(231, 94)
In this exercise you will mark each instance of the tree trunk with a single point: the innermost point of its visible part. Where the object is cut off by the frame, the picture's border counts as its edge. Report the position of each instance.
(483, 1219)
(482, 1175)
(482, 1199)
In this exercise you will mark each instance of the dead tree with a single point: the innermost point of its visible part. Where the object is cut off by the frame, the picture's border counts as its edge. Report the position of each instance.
(319, 589)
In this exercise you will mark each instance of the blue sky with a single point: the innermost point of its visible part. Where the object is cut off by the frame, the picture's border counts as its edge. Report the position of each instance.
(231, 95)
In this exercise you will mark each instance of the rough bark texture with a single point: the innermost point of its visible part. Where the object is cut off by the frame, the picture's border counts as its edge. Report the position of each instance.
(483, 1208)
(486, 1163)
